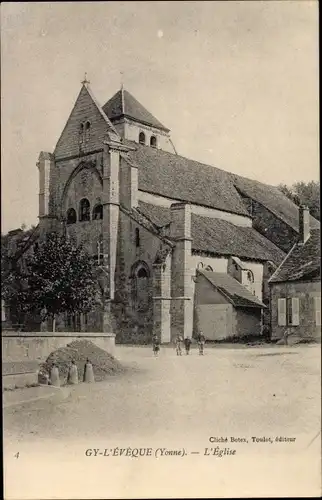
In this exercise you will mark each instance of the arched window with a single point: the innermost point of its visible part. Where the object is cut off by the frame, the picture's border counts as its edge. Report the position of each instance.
(153, 141)
(87, 130)
(137, 238)
(84, 210)
(141, 288)
(98, 212)
(81, 132)
(250, 276)
(142, 138)
(71, 216)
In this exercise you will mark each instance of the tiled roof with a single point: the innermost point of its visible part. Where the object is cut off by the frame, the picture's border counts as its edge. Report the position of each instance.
(220, 237)
(232, 289)
(273, 199)
(302, 262)
(160, 216)
(181, 179)
(124, 104)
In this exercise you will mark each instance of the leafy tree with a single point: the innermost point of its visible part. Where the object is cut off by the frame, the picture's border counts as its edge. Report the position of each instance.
(302, 193)
(58, 277)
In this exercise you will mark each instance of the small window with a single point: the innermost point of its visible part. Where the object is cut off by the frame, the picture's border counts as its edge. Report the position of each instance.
(87, 130)
(153, 141)
(71, 216)
(250, 276)
(84, 210)
(142, 273)
(98, 212)
(137, 238)
(142, 138)
(289, 311)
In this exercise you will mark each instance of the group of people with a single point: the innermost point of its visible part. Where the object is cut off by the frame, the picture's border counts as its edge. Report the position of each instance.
(179, 343)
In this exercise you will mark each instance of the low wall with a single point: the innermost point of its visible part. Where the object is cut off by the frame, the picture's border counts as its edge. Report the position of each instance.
(30, 346)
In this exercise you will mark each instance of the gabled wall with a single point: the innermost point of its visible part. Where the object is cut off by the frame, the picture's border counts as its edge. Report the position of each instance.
(69, 142)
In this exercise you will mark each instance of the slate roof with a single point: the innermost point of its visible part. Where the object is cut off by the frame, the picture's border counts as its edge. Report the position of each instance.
(179, 178)
(220, 237)
(123, 104)
(273, 199)
(302, 262)
(236, 293)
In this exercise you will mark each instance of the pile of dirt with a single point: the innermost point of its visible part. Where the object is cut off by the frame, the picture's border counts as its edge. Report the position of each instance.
(104, 364)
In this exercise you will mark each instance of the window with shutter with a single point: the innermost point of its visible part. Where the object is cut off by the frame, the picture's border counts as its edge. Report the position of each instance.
(317, 307)
(295, 311)
(281, 311)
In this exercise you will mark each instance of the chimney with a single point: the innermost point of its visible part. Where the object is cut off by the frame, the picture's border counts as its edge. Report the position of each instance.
(304, 223)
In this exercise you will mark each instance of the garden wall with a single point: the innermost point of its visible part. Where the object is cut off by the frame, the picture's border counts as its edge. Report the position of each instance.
(31, 346)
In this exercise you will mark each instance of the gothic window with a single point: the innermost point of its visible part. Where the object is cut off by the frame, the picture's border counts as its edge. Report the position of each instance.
(137, 238)
(71, 216)
(142, 138)
(98, 212)
(153, 141)
(84, 210)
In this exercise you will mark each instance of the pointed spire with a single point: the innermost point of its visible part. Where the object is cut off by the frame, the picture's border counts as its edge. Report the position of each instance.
(85, 81)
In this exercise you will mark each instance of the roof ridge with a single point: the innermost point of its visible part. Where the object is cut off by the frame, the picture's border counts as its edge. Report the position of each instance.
(100, 109)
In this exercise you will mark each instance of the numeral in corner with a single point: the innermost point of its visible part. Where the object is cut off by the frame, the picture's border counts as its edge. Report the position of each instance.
(16, 455)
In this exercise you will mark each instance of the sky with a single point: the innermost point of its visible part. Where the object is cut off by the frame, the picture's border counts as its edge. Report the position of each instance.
(236, 82)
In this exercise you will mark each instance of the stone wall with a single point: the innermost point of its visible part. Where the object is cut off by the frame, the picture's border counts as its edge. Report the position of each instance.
(306, 292)
(36, 346)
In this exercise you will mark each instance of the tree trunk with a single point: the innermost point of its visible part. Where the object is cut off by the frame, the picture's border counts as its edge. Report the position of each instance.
(54, 324)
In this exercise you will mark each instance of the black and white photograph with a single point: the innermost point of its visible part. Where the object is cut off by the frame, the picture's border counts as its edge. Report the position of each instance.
(160, 249)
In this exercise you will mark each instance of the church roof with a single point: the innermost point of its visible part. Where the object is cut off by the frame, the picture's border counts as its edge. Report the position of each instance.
(303, 262)
(220, 237)
(123, 104)
(273, 199)
(181, 179)
(236, 293)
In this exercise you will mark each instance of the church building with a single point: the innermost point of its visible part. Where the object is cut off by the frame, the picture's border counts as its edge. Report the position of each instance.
(181, 246)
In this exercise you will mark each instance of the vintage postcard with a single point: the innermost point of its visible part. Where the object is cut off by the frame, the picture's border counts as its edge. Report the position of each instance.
(160, 250)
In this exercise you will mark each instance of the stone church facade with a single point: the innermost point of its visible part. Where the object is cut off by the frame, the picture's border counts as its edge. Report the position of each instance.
(153, 219)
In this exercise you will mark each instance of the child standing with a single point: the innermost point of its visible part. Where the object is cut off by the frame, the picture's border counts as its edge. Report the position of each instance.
(155, 345)
(178, 342)
(187, 344)
(201, 343)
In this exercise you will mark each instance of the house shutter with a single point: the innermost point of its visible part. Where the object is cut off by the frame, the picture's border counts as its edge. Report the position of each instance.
(317, 308)
(281, 311)
(295, 311)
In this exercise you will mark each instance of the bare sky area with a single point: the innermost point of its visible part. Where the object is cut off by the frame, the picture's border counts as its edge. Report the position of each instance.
(236, 82)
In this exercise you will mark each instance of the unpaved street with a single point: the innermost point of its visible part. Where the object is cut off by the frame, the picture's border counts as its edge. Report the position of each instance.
(177, 403)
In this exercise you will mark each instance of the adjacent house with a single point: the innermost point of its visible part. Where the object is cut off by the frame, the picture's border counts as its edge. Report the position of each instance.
(225, 308)
(296, 287)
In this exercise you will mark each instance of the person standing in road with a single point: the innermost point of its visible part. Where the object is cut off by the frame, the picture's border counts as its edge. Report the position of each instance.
(178, 343)
(155, 345)
(201, 343)
(187, 344)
